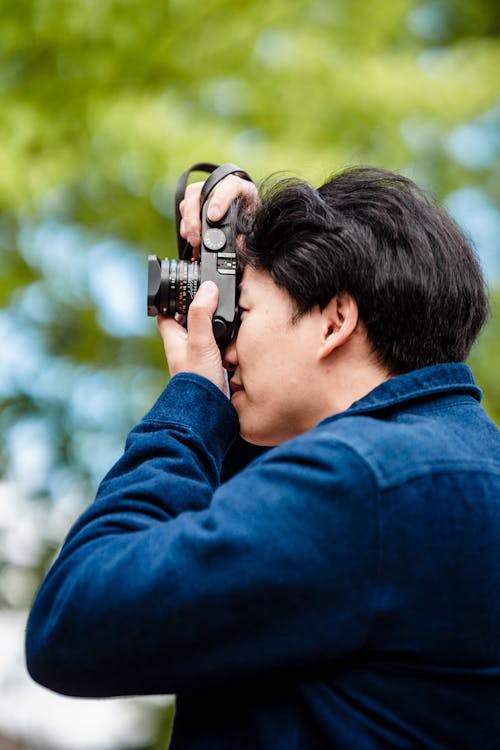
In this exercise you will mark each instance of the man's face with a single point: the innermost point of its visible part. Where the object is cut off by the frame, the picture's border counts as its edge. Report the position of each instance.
(274, 363)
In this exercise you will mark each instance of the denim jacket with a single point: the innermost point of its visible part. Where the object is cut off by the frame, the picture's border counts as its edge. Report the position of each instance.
(341, 591)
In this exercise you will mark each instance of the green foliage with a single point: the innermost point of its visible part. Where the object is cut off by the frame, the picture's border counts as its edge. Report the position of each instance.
(106, 98)
(485, 361)
(105, 102)
(164, 720)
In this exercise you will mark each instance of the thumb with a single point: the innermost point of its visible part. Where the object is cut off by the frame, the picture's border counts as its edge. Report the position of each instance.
(174, 341)
(200, 314)
(203, 354)
(195, 350)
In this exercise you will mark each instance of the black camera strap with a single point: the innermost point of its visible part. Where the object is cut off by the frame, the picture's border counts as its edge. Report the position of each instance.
(217, 173)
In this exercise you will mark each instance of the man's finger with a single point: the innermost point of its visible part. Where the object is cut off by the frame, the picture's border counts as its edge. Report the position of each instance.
(226, 191)
(200, 315)
(190, 211)
(174, 341)
(195, 350)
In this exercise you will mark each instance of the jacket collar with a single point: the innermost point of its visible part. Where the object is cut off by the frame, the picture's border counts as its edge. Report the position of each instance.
(416, 385)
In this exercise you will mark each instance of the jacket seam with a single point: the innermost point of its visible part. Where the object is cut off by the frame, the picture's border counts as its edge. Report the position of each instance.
(492, 469)
(377, 534)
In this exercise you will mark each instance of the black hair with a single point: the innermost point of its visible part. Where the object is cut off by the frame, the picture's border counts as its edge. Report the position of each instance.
(375, 235)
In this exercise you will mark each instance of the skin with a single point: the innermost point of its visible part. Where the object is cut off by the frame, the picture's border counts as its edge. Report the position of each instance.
(286, 376)
(276, 363)
(221, 198)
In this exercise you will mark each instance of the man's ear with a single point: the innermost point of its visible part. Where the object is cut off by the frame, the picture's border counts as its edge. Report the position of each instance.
(340, 318)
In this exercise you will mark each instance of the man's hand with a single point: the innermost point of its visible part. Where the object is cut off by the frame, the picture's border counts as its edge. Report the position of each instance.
(222, 196)
(195, 349)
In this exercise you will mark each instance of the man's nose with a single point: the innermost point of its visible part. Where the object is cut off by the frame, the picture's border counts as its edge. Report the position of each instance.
(229, 358)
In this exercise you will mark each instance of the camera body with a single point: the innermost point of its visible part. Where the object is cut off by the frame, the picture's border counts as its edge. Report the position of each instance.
(172, 284)
(219, 264)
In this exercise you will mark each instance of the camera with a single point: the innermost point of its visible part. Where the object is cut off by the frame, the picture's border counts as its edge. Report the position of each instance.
(172, 284)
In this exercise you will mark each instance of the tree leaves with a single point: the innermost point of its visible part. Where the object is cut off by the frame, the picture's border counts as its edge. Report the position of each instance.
(105, 103)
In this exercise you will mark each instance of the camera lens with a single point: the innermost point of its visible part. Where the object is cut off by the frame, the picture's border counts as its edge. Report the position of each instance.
(172, 285)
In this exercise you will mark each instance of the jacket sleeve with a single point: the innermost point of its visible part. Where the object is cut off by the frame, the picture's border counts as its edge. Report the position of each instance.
(171, 583)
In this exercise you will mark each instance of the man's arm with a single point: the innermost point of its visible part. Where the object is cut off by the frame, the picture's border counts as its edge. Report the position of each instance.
(170, 583)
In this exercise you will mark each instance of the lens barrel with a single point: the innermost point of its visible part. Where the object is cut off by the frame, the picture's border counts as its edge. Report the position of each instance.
(172, 285)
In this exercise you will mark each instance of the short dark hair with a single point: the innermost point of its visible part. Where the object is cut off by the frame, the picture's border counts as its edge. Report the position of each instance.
(377, 236)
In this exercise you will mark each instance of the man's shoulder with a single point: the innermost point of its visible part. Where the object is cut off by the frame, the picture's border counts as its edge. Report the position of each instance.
(419, 425)
(418, 442)
(317, 458)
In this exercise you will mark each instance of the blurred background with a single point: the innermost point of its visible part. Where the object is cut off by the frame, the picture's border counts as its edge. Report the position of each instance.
(104, 103)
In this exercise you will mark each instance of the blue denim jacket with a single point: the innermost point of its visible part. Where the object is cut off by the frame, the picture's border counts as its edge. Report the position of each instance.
(341, 591)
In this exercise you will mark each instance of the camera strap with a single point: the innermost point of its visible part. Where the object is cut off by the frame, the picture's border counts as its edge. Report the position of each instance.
(217, 173)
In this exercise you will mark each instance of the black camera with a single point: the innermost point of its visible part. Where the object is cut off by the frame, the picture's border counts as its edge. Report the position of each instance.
(172, 284)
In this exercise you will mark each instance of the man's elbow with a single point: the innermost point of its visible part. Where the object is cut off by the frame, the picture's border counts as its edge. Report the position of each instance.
(38, 666)
(47, 658)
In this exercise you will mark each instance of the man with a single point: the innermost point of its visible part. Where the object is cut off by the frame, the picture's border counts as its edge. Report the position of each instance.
(341, 590)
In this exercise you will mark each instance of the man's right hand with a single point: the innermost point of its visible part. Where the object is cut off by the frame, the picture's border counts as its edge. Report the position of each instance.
(222, 196)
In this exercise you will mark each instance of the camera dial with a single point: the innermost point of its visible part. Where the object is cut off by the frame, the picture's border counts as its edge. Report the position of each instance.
(214, 239)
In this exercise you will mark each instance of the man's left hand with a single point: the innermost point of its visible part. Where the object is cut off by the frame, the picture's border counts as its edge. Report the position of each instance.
(195, 349)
